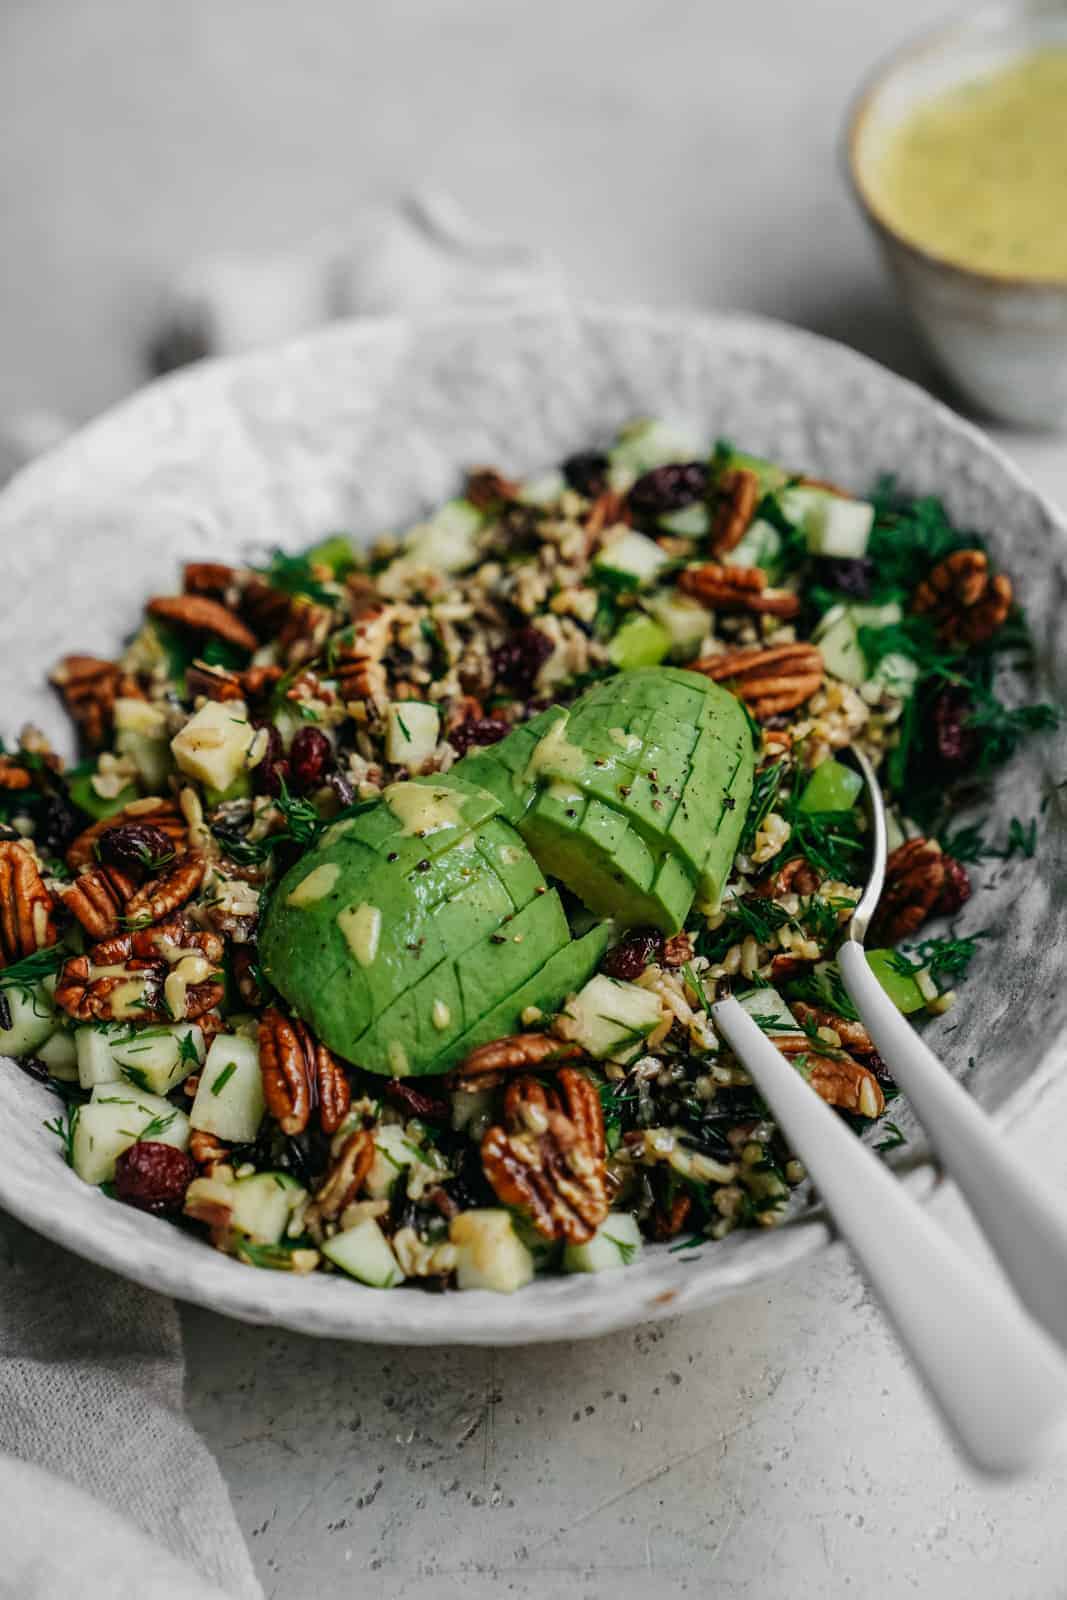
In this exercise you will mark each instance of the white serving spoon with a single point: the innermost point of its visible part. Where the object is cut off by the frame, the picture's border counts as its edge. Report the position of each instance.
(997, 1378)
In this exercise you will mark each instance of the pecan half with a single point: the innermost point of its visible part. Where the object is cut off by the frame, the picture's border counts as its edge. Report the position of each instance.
(967, 603)
(162, 814)
(300, 1073)
(607, 511)
(358, 657)
(667, 1223)
(199, 614)
(98, 898)
(346, 1176)
(784, 967)
(136, 992)
(13, 777)
(853, 1035)
(546, 1165)
(207, 1150)
(738, 499)
(211, 578)
(486, 488)
(90, 687)
(214, 683)
(724, 588)
(796, 876)
(677, 950)
(769, 681)
(914, 881)
(26, 921)
(162, 895)
(836, 1078)
(519, 1052)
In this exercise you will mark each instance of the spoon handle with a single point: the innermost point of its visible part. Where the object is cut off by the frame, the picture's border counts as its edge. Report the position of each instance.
(999, 1382)
(1026, 1226)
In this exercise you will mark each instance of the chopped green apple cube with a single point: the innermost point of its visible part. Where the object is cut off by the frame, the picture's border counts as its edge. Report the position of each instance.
(229, 1097)
(767, 1008)
(59, 1054)
(489, 1253)
(366, 1254)
(96, 1060)
(158, 1059)
(116, 1117)
(213, 746)
(33, 1018)
(831, 787)
(412, 733)
(901, 987)
(610, 1016)
(631, 559)
(640, 642)
(616, 1243)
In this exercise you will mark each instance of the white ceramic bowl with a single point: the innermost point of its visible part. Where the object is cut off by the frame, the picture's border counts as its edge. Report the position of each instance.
(1001, 340)
(366, 425)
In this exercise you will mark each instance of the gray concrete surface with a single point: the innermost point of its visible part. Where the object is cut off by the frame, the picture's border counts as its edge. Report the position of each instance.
(686, 152)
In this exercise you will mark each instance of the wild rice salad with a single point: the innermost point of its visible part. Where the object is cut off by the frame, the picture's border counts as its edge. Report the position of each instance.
(348, 948)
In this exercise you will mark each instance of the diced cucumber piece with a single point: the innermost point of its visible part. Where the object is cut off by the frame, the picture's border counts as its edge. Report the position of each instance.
(96, 805)
(394, 1152)
(33, 1018)
(158, 1059)
(767, 1008)
(336, 552)
(229, 1098)
(96, 1060)
(831, 787)
(901, 987)
(650, 443)
(448, 541)
(685, 620)
(631, 559)
(59, 1054)
(895, 674)
(412, 733)
(610, 1016)
(616, 1243)
(543, 490)
(115, 1118)
(640, 642)
(365, 1253)
(761, 546)
(691, 522)
(838, 639)
(150, 756)
(489, 1253)
(833, 525)
(262, 1205)
(771, 476)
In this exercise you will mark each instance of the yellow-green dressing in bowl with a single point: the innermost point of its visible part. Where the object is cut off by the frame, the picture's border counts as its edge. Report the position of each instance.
(978, 174)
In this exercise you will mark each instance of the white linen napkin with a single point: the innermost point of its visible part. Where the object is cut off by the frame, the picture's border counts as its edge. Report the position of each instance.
(106, 1491)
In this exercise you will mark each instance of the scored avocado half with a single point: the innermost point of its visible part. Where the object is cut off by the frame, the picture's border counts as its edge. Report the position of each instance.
(421, 924)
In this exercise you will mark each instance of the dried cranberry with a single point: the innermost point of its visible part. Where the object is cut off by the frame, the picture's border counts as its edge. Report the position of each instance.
(58, 821)
(416, 1102)
(519, 659)
(630, 958)
(956, 742)
(476, 731)
(135, 847)
(587, 472)
(956, 890)
(271, 776)
(668, 488)
(854, 577)
(153, 1177)
(310, 756)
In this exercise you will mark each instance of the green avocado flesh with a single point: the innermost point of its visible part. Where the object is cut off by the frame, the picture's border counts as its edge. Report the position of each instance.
(421, 924)
(635, 798)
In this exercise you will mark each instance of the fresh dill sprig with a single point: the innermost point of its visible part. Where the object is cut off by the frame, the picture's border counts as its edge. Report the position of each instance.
(765, 789)
(949, 956)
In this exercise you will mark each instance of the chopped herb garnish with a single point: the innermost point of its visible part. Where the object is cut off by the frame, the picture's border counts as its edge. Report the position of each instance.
(221, 1079)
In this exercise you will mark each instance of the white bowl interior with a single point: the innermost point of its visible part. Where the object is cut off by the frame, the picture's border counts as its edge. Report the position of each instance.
(364, 427)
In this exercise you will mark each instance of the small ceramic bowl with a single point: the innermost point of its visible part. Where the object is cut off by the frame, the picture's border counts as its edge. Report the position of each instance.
(1002, 340)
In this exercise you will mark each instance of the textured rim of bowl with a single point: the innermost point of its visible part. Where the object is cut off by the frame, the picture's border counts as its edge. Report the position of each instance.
(967, 25)
(171, 1262)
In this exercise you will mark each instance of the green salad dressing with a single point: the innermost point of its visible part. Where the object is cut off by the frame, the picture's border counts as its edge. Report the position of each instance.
(978, 175)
